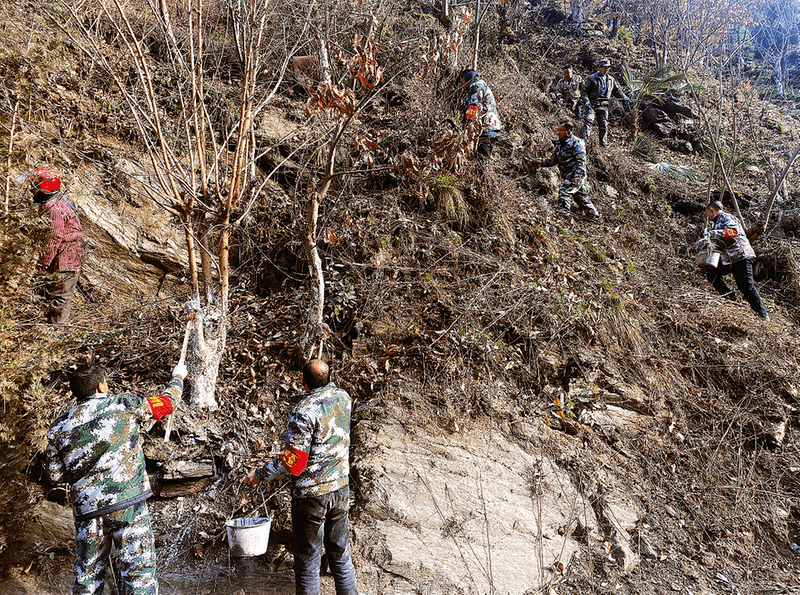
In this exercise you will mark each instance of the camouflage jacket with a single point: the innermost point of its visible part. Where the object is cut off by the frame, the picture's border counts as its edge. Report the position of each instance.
(569, 155)
(731, 240)
(480, 95)
(593, 89)
(570, 90)
(96, 447)
(317, 450)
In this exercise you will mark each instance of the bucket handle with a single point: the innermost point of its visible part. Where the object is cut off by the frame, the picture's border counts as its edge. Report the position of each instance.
(263, 500)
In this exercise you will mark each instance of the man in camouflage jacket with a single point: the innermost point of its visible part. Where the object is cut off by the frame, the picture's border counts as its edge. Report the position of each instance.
(569, 154)
(316, 457)
(568, 91)
(736, 256)
(480, 105)
(596, 94)
(96, 447)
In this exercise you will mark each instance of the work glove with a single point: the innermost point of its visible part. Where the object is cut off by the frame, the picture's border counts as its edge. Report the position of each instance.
(180, 371)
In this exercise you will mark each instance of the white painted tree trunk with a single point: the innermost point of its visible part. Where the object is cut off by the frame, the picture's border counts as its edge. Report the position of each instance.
(204, 357)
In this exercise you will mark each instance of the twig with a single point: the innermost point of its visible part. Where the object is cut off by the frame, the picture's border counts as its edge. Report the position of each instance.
(10, 151)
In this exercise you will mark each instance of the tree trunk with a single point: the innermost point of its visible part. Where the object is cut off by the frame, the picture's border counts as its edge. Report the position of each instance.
(313, 331)
(163, 10)
(444, 14)
(577, 11)
(477, 35)
(205, 355)
(324, 61)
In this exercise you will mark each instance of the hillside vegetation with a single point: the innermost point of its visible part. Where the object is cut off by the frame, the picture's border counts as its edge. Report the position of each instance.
(459, 301)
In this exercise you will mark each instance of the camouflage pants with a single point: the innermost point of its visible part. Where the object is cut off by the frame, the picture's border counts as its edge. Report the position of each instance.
(568, 191)
(130, 531)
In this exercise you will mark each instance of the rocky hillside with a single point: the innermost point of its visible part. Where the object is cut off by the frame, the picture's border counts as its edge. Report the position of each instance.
(541, 403)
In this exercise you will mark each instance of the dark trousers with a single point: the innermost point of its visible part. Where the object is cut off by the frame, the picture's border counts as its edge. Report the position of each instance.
(316, 521)
(743, 275)
(59, 288)
(485, 147)
(596, 112)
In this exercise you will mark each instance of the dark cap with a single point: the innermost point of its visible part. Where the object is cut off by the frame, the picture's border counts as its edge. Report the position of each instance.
(467, 75)
(715, 204)
(604, 62)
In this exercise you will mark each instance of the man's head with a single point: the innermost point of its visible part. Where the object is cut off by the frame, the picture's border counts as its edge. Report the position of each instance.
(603, 65)
(567, 73)
(88, 380)
(713, 209)
(565, 128)
(44, 183)
(316, 374)
(466, 77)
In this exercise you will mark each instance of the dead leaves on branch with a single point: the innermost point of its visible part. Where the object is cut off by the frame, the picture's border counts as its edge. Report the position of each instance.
(442, 49)
(364, 73)
(327, 97)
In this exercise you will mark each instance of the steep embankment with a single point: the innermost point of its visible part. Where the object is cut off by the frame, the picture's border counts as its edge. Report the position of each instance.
(537, 400)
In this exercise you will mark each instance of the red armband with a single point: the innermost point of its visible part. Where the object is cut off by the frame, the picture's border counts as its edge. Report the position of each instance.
(472, 111)
(730, 233)
(159, 406)
(294, 460)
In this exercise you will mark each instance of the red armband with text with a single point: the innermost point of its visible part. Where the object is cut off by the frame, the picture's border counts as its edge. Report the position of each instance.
(294, 460)
(730, 233)
(159, 406)
(472, 111)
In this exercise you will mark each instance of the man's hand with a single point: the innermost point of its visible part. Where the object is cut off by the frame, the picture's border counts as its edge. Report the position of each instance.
(251, 478)
(180, 371)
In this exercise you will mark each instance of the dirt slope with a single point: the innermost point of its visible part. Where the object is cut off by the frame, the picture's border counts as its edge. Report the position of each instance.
(539, 402)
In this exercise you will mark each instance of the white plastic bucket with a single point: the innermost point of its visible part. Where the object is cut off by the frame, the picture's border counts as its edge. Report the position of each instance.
(248, 536)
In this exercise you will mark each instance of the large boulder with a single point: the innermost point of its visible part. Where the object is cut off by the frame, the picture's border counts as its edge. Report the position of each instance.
(471, 512)
(658, 121)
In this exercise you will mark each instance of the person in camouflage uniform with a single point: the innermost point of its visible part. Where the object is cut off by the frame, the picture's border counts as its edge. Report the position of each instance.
(480, 105)
(96, 447)
(736, 256)
(568, 91)
(596, 94)
(569, 154)
(316, 457)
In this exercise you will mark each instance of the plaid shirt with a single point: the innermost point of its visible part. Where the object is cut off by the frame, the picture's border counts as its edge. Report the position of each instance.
(64, 248)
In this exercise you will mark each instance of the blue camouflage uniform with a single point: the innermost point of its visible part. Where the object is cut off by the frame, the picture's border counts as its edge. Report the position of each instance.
(96, 448)
(570, 156)
(596, 94)
(479, 98)
(316, 457)
(737, 257)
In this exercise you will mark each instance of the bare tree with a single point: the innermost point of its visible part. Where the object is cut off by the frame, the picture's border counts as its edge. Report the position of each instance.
(201, 164)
